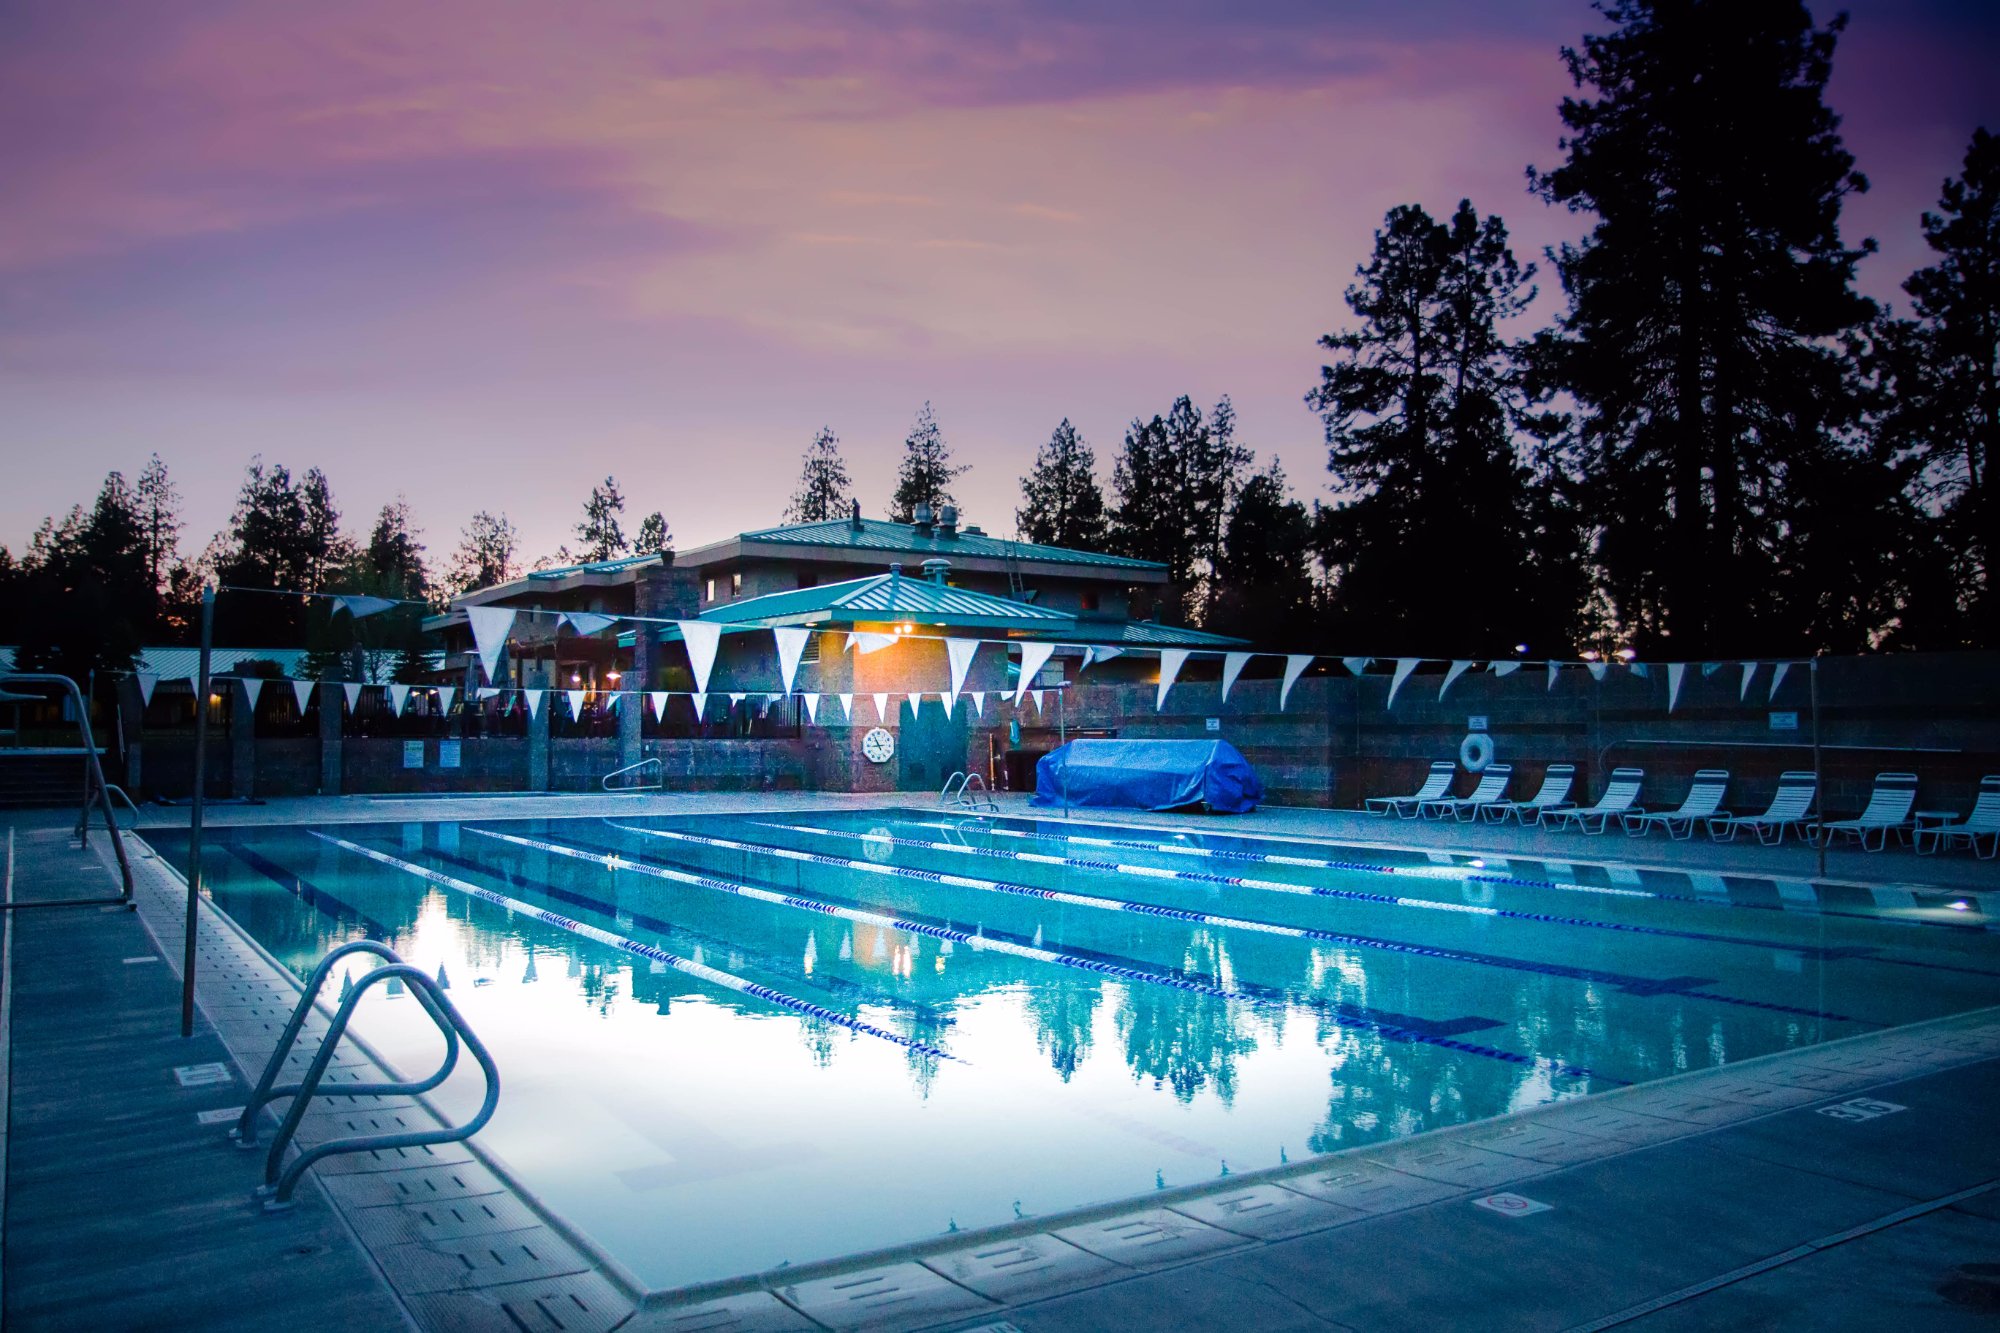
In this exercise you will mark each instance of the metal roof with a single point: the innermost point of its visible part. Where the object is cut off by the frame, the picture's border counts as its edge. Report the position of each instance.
(1147, 634)
(880, 534)
(595, 567)
(184, 663)
(885, 596)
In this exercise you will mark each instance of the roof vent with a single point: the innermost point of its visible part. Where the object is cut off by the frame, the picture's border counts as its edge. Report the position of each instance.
(973, 530)
(854, 516)
(920, 518)
(935, 570)
(948, 521)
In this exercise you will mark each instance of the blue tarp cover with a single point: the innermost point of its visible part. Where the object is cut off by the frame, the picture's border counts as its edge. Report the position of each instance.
(1149, 775)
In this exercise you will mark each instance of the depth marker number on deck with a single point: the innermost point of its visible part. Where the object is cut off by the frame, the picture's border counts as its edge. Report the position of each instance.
(1512, 1205)
(1857, 1109)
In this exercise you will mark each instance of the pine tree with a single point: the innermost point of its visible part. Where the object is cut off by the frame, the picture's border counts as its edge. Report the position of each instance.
(599, 532)
(282, 537)
(1173, 481)
(394, 559)
(927, 471)
(159, 508)
(1264, 583)
(1703, 307)
(84, 588)
(486, 555)
(1061, 504)
(655, 538)
(824, 489)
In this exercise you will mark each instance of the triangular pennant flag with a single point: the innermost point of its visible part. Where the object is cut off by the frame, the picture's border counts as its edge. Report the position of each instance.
(658, 698)
(959, 652)
(881, 708)
(701, 636)
(1710, 668)
(1749, 674)
(1356, 665)
(1404, 666)
(399, 695)
(1641, 670)
(1295, 666)
(1033, 657)
(1777, 678)
(148, 682)
(1105, 654)
(1555, 669)
(736, 699)
(611, 699)
(1171, 660)
(812, 708)
(791, 647)
(446, 693)
(533, 698)
(588, 622)
(847, 706)
(978, 698)
(869, 643)
(1505, 668)
(302, 691)
(1232, 667)
(353, 693)
(1089, 656)
(946, 698)
(1036, 695)
(252, 687)
(916, 703)
(489, 631)
(359, 604)
(700, 704)
(576, 698)
(1675, 670)
(1597, 669)
(1456, 670)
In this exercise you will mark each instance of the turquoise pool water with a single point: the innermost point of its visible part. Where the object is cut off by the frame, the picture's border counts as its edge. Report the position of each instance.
(729, 1043)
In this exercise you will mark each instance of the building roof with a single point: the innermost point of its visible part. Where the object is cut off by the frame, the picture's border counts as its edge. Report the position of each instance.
(596, 567)
(886, 597)
(881, 534)
(1149, 634)
(184, 663)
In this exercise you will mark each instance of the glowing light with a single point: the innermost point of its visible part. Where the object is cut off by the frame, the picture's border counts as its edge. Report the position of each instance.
(1959, 905)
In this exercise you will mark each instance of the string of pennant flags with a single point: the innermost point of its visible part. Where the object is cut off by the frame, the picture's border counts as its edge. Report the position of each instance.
(492, 626)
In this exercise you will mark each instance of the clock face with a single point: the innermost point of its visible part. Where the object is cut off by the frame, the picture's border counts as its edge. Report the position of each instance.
(879, 745)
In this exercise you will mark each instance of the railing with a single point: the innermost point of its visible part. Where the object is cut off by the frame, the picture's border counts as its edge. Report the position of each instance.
(959, 791)
(280, 1180)
(653, 767)
(93, 785)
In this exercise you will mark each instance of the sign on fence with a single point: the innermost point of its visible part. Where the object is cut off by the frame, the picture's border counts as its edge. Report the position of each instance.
(413, 754)
(1784, 721)
(449, 754)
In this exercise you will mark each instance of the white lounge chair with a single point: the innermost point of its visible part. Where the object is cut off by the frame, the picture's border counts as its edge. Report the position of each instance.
(1436, 785)
(1983, 822)
(1618, 801)
(1557, 779)
(1888, 812)
(1492, 786)
(1704, 801)
(1791, 808)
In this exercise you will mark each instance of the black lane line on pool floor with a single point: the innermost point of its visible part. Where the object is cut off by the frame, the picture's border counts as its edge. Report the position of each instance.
(1637, 986)
(311, 894)
(1337, 1013)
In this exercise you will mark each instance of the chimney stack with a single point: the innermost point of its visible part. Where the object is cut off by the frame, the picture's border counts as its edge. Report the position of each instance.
(921, 518)
(948, 521)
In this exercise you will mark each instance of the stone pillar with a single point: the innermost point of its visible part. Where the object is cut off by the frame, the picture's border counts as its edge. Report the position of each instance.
(327, 699)
(242, 742)
(538, 744)
(132, 727)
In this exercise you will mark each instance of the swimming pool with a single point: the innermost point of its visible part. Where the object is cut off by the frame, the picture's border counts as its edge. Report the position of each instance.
(729, 1043)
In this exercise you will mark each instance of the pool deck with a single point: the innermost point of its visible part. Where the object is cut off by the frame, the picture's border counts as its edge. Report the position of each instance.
(1832, 1187)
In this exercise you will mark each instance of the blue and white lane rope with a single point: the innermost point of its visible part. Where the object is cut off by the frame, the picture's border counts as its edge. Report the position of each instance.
(1341, 1014)
(1632, 984)
(1194, 877)
(701, 971)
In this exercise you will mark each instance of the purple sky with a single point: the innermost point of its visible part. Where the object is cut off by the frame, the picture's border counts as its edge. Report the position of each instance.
(482, 254)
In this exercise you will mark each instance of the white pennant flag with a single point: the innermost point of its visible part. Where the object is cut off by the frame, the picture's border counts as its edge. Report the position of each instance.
(1456, 670)
(1404, 666)
(399, 695)
(1555, 669)
(881, 708)
(148, 682)
(1597, 669)
(302, 691)
(1675, 670)
(916, 703)
(1749, 674)
(446, 693)
(960, 653)
(658, 698)
(1505, 668)
(847, 706)
(1036, 695)
(1033, 657)
(700, 704)
(736, 699)
(701, 637)
(978, 698)
(1232, 667)
(1356, 665)
(252, 687)
(575, 698)
(1171, 660)
(1778, 678)
(791, 647)
(353, 693)
(863, 644)
(946, 698)
(1295, 666)
(588, 622)
(1105, 654)
(812, 708)
(611, 700)
(533, 699)
(490, 625)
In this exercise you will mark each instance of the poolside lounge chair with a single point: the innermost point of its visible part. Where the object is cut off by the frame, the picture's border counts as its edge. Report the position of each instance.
(1704, 801)
(1617, 802)
(1554, 795)
(1888, 812)
(1983, 822)
(1791, 808)
(1492, 786)
(1436, 785)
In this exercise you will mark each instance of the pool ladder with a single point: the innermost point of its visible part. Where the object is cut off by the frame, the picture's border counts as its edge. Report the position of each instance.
(967, 791)
(648, 775)
(279, 1179)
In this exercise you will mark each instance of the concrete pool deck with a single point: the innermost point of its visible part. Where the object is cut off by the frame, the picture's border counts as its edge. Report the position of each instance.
(1760, 1194)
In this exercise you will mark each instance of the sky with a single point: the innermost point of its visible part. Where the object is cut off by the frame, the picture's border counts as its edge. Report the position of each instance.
(481, 253)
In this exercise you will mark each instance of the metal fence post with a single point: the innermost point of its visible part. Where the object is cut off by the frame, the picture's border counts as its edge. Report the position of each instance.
(195, 810)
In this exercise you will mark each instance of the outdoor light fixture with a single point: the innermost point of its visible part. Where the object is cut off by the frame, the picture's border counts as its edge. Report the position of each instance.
(575, 679)
(1478, 863)
(1959, 905)
(1591, 654)
(1521, 648)
(1627, 654)
(613, 676)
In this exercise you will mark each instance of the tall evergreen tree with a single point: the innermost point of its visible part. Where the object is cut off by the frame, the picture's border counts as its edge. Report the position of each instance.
(1061, 504)
(87, 599)
(1173, 480)
(1422, 402)
(487, 554)
(282, 537)
(1703, 304)
(824, 489)
(927, 472)
(159, 509)
(1264, 583)
(394, 558)
(601, 536)
(655, 537)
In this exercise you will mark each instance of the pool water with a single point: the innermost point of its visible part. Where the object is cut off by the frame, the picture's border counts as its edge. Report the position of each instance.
(729, 1043)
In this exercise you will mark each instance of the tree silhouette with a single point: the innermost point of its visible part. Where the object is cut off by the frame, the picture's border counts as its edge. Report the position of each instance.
(1061, 504)
(927, 471)
(486, 555)
(823, 485)
(601, 537)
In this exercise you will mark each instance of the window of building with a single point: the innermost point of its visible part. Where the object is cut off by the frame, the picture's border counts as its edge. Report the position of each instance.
(735, 583)
(1090, 599)
(808, 578)
(710, 596)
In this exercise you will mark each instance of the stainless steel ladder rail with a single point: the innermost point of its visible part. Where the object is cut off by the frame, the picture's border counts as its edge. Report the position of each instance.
(953, 786)
(961, 786)
(658, 768)
(93, 782)
(281, 1180)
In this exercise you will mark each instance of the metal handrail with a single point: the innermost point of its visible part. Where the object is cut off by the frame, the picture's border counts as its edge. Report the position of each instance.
(949, 790)
(93, 776)
(656, 765)
(963, 791)
(279, 1184)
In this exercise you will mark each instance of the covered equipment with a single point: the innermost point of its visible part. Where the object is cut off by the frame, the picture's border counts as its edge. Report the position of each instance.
(1149, 775)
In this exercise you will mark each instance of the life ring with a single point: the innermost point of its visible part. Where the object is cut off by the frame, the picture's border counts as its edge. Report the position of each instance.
(1475, 752)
